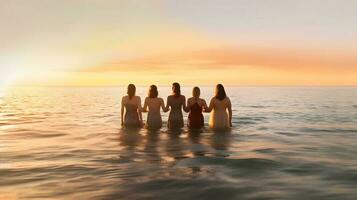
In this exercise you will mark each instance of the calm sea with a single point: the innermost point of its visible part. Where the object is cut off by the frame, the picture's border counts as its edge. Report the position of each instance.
(286, 143)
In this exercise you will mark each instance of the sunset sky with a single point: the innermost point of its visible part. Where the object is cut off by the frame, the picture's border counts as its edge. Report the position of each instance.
(201, 42)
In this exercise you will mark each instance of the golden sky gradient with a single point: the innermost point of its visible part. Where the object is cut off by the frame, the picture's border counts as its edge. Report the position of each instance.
(157, 42)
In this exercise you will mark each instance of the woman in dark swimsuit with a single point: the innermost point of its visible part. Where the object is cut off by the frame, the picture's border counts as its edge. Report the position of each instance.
(196, 105)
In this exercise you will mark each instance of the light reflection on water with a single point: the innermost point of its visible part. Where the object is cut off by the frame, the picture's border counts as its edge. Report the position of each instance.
(286, 143)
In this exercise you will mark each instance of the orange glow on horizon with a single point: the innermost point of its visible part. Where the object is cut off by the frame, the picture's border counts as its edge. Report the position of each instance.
(150, 45)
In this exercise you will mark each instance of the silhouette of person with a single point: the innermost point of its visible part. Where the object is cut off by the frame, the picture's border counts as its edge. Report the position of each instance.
(176, 102)
(195, 106)
(152, 105)
(220, 103)
(131, 105)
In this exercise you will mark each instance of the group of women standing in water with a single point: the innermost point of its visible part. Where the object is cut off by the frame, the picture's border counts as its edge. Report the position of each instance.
(220, 108)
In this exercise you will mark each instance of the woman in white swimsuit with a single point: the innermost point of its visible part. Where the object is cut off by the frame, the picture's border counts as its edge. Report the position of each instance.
(219, 105)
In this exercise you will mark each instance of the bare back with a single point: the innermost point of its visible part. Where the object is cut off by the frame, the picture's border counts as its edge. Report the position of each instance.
(132, 108)
(153, 105)
(220, 105)
(201, 102)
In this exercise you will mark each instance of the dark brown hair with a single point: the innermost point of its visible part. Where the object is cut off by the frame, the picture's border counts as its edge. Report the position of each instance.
(196, 92)
(176, 89)
(131, 91)
(220, 92)
(153, 93)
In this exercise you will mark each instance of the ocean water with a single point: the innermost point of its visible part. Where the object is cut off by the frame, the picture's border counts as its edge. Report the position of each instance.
(286, 143)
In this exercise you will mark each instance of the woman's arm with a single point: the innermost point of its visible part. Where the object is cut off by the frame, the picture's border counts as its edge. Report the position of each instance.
(165, 109)
(188, 105)
(145, 107)
(209, 109)
(230, 112)
(139, 110)
(122, 112)
(205, 107)
(184, 106)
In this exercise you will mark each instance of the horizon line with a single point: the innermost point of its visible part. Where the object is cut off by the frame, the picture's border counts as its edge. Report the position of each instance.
(169, 85)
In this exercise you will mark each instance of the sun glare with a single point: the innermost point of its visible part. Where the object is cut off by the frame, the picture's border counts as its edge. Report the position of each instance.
(9, 77)
(6, 80)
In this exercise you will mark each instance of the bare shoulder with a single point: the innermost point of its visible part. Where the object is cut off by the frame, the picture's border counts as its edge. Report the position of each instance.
(202, 100)
(124, 98)
(227, 101)
(137, 98)
(170, 98)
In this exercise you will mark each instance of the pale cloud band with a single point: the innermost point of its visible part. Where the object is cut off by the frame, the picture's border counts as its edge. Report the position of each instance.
(239, 42)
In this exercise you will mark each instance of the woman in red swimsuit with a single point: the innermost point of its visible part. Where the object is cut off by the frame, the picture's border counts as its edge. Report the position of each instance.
(196, 105)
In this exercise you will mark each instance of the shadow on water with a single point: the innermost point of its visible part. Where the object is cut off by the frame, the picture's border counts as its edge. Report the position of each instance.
(221, 139)
(175, 133)
(130, 138)
(151, 147)
(195, 135)
(172, 159)
(198, 147)
(140, 145)
(175, 146)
